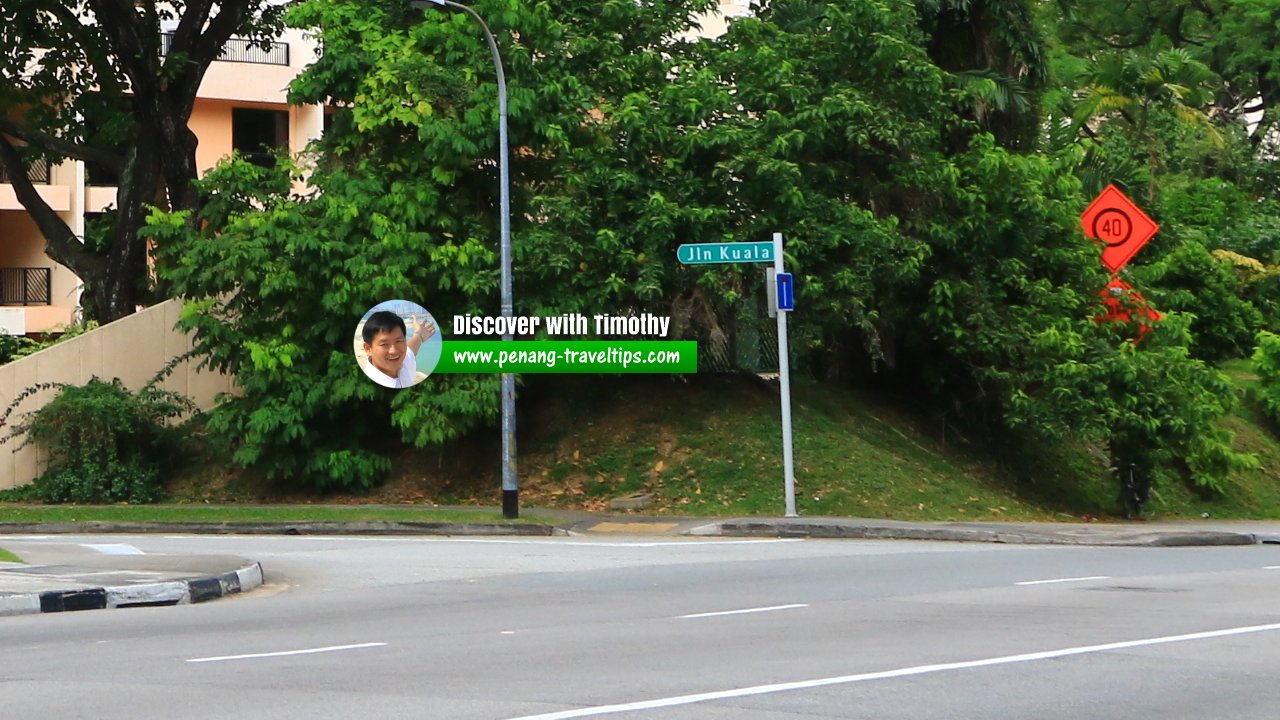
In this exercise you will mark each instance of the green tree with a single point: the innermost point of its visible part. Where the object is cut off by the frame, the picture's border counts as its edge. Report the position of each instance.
(831, 127)
(403, 203)
(97, 82)
(1238, 40)
(1137, 88)
(1266, 363)
(956, 269)
(1152, 405)
(997, 53)
(277, 284)
(965, 273)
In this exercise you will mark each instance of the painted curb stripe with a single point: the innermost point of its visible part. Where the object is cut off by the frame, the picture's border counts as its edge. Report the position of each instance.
(177, 592)
(73, 600)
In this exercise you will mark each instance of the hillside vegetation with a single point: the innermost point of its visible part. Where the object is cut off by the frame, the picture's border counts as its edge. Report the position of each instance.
(927, 163)
(712, 446)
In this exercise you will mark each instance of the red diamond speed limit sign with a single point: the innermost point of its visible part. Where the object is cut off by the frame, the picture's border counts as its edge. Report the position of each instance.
(1119, 225)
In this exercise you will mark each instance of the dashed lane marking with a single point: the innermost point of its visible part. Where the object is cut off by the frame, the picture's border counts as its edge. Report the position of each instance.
(1064, 580)
(309, 651)
(746, 611)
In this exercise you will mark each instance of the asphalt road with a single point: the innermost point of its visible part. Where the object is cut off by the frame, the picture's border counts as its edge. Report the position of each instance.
(632, 628)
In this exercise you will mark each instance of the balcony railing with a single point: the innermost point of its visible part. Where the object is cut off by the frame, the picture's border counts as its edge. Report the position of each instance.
(240, 50)
(37, 173)
(25, 286)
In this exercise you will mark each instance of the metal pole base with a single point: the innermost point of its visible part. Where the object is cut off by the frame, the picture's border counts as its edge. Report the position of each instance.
(511, 504)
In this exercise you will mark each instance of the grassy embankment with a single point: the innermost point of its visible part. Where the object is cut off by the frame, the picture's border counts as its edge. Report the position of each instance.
(711, 446)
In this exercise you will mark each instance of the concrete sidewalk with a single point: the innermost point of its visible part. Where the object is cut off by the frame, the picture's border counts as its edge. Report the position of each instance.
(61, 577)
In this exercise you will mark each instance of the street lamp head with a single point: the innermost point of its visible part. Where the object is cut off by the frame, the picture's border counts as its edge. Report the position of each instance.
(425, 3)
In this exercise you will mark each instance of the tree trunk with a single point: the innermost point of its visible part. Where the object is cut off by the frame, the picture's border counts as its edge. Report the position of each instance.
(118, 290)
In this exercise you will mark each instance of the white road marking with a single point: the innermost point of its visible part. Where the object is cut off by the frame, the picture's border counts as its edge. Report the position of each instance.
(135, 573)
(1063, 580)
(745, 611)
(888, 674)
(1272, 567)
(311, 651)
(113, 548)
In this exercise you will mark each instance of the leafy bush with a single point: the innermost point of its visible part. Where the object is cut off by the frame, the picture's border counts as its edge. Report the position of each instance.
(105, 443)
(1266, 364)
(1154, 406)
(13, 347)
(275, 286)
(1190, 279)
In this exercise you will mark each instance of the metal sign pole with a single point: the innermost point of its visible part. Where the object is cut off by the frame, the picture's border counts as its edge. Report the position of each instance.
(784, 379)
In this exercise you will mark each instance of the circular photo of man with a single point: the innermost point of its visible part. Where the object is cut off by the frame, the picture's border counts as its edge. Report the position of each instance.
(397, 344)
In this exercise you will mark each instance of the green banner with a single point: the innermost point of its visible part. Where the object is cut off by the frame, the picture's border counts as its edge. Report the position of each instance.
(568, 356)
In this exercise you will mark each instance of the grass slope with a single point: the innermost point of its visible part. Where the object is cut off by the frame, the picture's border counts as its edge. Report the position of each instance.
(711, 445)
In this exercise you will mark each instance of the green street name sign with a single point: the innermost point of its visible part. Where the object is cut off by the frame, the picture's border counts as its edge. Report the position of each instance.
(734, 252)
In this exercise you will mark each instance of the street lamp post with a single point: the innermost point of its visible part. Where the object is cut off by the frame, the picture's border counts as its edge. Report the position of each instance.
(510, 486)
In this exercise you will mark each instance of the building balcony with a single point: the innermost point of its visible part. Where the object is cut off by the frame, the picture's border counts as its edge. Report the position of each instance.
(242, 51)
(38, 173)
(57, 196)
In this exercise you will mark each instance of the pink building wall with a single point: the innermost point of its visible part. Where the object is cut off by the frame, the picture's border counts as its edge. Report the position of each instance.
(227, 85)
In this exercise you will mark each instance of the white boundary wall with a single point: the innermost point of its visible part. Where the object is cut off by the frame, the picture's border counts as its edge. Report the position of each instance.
(132, 349)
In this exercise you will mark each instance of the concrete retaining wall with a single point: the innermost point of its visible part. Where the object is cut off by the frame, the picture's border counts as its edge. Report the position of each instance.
(132, 349)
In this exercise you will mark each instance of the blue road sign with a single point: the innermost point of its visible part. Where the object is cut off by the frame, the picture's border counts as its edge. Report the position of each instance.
(733, 252)
(786, 291)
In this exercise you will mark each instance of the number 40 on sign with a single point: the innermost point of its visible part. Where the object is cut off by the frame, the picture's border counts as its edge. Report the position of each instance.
(1122, 228)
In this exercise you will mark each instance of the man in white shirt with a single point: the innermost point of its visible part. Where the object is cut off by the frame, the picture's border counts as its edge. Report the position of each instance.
(391, 357)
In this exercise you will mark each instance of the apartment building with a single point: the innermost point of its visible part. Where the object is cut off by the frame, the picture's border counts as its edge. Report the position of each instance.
(241, 106)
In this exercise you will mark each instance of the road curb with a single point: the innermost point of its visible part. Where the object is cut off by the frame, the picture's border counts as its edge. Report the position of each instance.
(793, 529)
(277, 528)
(778, 528)
(175, 592)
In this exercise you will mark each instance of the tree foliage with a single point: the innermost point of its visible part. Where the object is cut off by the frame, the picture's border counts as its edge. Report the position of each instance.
(95, 81)
(404, 205)
(1266, 364)
(931, 247)
(276, 287)
(998, 56)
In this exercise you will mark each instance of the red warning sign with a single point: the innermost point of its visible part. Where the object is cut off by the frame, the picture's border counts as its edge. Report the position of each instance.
(1119, 225)
(1125, 305)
